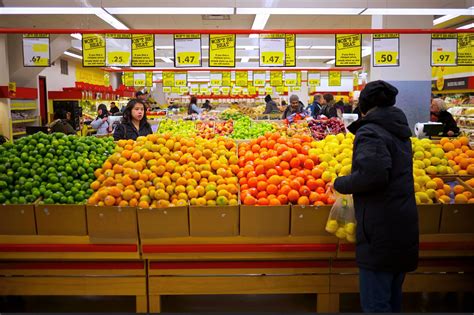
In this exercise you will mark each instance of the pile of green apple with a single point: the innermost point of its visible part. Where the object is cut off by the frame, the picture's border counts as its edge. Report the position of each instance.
(245, 128)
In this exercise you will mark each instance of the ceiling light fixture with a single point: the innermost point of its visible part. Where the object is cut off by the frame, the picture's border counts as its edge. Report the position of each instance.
(259, 23)
(70, 54)
(76, 36)
(331, 62)
(419, 11)
(315, 57)
(245, 59)
(171, 10)
(466, 27)
(301, 11)
(166, 59)
(108, 18)
(443, 19)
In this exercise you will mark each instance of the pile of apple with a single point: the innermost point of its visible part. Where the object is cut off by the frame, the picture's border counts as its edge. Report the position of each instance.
(430, 158)
(209, 129)
(323, 127)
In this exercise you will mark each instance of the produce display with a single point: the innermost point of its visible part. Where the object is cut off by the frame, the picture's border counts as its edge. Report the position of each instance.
(56, 168)
(323, 127)
(429, 158)
(231, 113)
(245, 128)
(210, 129)
(289, 130)
(460, 156)
(179, 127)
(162, 171)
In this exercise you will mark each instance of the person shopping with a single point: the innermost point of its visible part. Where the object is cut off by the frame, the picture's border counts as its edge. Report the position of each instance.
(329, 107)
(61, 124)
(440, 114)
(295, 107)
(134, 122)
(113, 108)
(382, 186)
(271, 107)
(101, 123)
(193, 108)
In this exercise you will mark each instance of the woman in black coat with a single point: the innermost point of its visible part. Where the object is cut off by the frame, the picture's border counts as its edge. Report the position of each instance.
(384, 198)
(134, 123)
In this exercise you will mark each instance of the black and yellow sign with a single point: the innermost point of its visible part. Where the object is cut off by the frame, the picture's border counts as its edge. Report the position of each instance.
(290, 50)
(149, 79)
(180, 79)
(226, 78)
(465, 49)
(314, 78)
(168, 78)
(167, 89)
(334, 78)
(348, 50)
(106, 79)
(259, 78)
(119, 50)
(128, 79)
(187, 50)
(276, 78)
(386, 50)
(222, 50)
(241, 78)
(444, 49)
(175, 89)
(291, 78)
(143, 50)
(272, 50)
(216, 78)
(93, 50)
(36, 50)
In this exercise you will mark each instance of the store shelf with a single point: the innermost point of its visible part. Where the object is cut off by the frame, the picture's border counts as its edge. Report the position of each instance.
(19, 133)
(22, 121)
(23, 108)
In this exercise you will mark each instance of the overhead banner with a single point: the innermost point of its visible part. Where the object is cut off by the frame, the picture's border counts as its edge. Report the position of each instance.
(226, 78)
(139, 79)
(386, 50)
(168, 78)
(180, 79)
(36, 52)
(276, 78)
(241, 78)
(291, 78)
(119, 50)
(272, 50)
(259, 78)
(187, 50)
(348, 50)
(465, 49)
(149, 79)
(93, 50)
(314, 78)
(290, 50)
(334, 78)
(128, 79)
(216, 78)
(143, 50)
(444, 49)
(221, 50)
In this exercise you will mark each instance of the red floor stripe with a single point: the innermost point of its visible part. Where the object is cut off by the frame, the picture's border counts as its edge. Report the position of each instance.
(239, 248)
(72, 265)
(239, 264)
(74, 248)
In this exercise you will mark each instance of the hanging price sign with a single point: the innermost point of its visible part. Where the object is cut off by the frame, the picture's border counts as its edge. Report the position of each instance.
(386, 50)
(168, 78)
(276, 78)
(175, 89)
(465, 49)
(280, 89)
(272, 50)
(216, 78)
(314, 78)
(222, 50)
(291, 78)
(166, 89)
(290, 50)
(149, 79)
(119, 50)
(216, 90)
(139, 79)
(36, 50)
(241, 78)
(143, 50)
(226, 78)
(194, 89)
(180, 79)
(348, 50)
(334, 78)
(187, 50)
(443, 49)
(204, 89)
(183, 89)
(106, 79)
(268, 89)
(93, 50)
(128, 79)
(252, 90)
(259, 78)
(225, 90)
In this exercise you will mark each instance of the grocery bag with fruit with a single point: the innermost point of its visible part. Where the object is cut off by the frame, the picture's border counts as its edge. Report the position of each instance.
(341, 220)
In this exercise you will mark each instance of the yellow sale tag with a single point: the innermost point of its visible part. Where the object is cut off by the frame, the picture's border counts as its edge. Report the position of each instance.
(216, 82)
(334, 78)
(38, 61)
(296, 89)
(444, 58)
(184, 89)
(280, 89)
(386, 57)
(215, 90)
(118, 58)
(139, 82)
(225, 90)
(175, 89)
(166, 89)
(188, 58)
(143, 50)
(40, 47)
(272, 58)
(180, 83)
(269, 90)
(276, 78)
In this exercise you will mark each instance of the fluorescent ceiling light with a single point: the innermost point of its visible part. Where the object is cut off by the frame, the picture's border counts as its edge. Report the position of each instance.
(166, 59)
(164, 47)
(76, 36)
(314, 57)
(247, 47)
(444, 18)
(108, 18)
(245, 59)
(466, 27)
(420, 11)
(331, 62)
(72, 55)
(171, 10)
(259, 23)
(303, 47)
(323, 47)
(301, 11)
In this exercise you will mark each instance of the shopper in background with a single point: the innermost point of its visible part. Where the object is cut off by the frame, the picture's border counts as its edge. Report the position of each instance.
(142, 96)
(384, 198)
(348, 107)
(101, 123)
(271, 106)
(61, 124)
(134, 123)
(329, 107)
(113, 108)
(193, 108)
(340, 105)
(207, 105)
(356, 109)
(296, 107)
(440, 114)
(315, 107)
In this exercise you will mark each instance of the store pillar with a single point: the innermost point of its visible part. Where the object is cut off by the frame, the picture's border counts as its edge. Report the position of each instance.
(412, 77)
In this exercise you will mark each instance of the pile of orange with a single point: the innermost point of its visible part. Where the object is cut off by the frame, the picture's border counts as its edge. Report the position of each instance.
(459, 154)
(457, 194)
(162, 171)
(276, 170)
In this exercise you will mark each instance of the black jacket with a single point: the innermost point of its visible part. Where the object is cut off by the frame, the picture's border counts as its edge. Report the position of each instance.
(62, 125)
(330, 111)
(384, 196)
(271, 107)
(114, 110)
(315, 109)
(449, 124)
(126, 130)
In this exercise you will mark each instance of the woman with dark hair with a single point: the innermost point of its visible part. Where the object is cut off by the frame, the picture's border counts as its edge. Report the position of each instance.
(134, 123)
(193, 108)
(101, 123)
(60, 123)
(329, 107)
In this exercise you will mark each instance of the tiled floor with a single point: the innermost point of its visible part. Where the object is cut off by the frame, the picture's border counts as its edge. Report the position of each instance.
(304, 303)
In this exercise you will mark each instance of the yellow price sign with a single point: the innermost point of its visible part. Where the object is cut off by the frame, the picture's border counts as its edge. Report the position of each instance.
(444, 58)
(40, 47)
(386, 57)
(280, 89)
(139, 82)
(183, 89)
(268, 89)
(119, 58)
(225, 90)
(272, 58)
(180, 82)
(189, 58)
(215, 90)
(166, 89)
(38, 61)
(175, 89)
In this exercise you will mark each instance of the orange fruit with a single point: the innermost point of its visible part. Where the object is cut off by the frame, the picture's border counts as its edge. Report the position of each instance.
(295, 163)
(458, 189)
(461, 198)
(464, 140)
(293, 196)
(304, 191)
(135, 157)
(95, 185)
(283, 199)
(272, 189)
(313, 197)
(143, 204)
(274, 202)
(115, 192)
(262, 186)
(443, 141)
(470, 169)
(470, 200)
(448, 146)
(109, 200)
(457, 144)
(303, 201)
(439, 182)
(445, 199)
(468, 194)
(263, 202)
(249, 200)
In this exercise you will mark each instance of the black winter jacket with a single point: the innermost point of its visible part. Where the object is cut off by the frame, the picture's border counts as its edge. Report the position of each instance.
(126, 130)
(382, 186)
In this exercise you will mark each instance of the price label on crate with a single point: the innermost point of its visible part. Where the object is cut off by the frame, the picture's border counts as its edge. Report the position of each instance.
(187, 50)
(119, 50)
(444, 49)
(386, 48)
(36, 50)
(272, 50)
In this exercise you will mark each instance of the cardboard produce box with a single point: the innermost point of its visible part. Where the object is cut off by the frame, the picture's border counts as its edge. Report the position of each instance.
(214, 220)
(457, 218)
(61, 219)
(163, 222)
(17, 220)
(429, 217)
(309, 220)
(257, 221)
(112, 222)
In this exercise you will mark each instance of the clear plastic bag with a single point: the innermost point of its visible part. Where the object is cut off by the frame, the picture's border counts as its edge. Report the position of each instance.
(341, 221)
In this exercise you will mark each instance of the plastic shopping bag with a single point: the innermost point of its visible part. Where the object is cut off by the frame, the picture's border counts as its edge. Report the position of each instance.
(341, 220)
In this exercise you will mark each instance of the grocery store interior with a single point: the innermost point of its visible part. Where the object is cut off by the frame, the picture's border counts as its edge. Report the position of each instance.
(182, 156)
